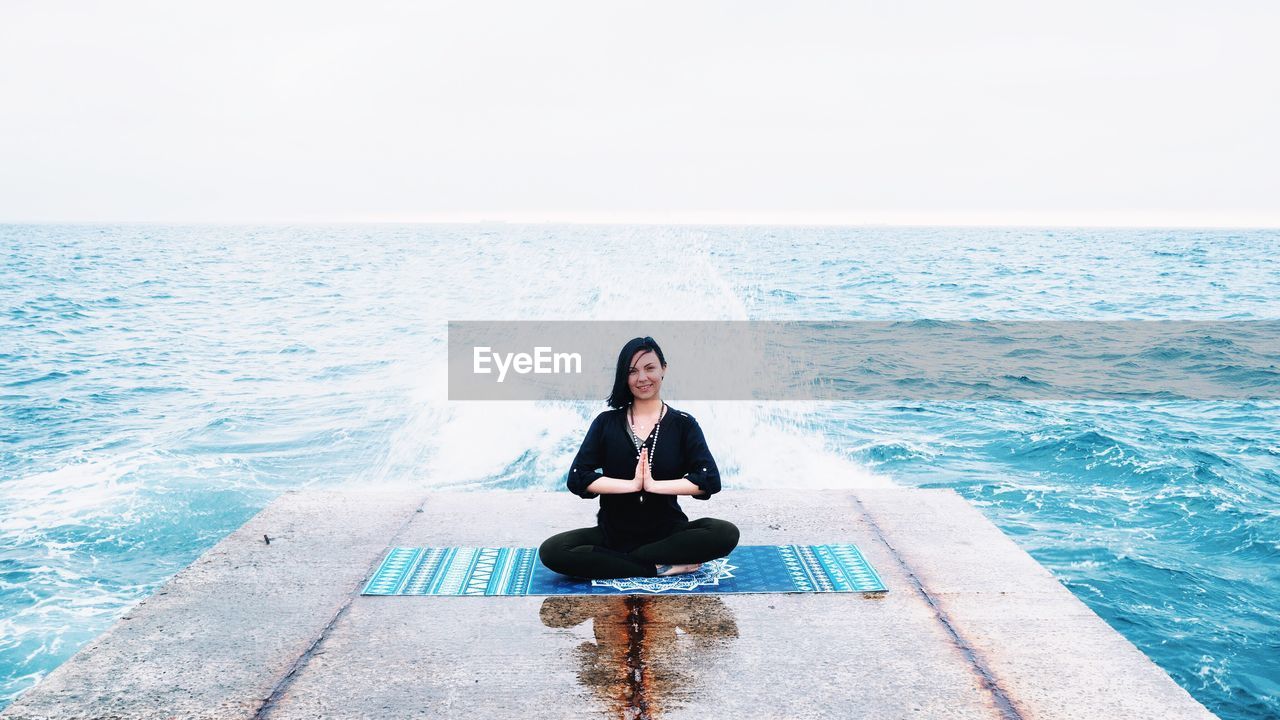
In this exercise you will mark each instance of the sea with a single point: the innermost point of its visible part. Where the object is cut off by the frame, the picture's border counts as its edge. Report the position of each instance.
(159, 385)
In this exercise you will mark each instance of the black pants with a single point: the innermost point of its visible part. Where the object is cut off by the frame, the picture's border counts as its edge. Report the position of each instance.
(582, 552)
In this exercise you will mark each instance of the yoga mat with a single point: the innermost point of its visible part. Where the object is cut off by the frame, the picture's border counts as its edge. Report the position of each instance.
(518, 571)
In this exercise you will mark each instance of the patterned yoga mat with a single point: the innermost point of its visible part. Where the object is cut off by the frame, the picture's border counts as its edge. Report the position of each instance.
(517, 571)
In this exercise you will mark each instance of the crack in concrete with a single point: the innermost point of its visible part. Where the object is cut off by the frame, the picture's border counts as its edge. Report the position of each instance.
(301, 662)
(1001, 698)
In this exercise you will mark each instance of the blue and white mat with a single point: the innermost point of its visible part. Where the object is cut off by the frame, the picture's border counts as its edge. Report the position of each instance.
(517, 571)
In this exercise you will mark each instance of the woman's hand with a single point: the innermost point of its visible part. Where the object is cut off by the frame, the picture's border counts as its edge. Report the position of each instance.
(642, 470)
(647, 483)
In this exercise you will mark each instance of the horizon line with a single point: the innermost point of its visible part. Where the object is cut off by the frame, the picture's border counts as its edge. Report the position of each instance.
(1186, 223)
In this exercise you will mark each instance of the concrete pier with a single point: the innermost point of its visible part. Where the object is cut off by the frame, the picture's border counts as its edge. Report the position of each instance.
(972, 626)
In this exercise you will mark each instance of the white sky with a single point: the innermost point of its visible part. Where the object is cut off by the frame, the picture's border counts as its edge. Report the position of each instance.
(1119, 112)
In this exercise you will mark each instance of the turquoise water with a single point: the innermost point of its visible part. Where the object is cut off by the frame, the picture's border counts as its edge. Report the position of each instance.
(159, 385)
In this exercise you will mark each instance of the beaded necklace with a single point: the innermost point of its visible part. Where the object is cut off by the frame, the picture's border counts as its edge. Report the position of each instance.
(631, 426)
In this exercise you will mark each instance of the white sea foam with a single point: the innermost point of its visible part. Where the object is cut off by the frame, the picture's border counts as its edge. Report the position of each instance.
(461, 444)
(82, 491)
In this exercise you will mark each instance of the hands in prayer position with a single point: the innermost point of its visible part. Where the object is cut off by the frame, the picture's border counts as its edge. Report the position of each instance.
(643, 480)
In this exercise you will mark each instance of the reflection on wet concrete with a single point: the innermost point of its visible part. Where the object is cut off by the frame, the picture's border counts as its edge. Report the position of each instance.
(647, 649)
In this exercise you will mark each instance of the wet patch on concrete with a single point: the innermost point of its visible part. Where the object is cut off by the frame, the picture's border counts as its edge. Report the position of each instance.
(647, 649)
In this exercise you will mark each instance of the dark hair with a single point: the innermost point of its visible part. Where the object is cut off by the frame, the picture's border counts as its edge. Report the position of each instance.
(621, 396)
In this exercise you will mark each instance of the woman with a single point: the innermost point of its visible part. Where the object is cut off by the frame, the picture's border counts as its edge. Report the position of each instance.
(640, 530)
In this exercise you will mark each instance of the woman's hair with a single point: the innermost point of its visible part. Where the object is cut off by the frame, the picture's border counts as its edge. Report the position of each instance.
(621, 396)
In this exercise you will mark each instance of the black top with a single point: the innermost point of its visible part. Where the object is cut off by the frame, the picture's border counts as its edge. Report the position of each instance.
(608, 451)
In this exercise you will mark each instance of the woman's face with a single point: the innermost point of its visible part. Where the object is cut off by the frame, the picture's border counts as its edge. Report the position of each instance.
(645, 375)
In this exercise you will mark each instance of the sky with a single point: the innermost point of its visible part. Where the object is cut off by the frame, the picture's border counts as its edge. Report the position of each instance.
(1023, 113)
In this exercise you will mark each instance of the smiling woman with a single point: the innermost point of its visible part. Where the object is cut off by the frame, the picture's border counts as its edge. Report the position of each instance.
(640, 529)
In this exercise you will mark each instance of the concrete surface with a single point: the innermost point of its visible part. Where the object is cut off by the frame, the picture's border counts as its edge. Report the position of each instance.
(972, 626)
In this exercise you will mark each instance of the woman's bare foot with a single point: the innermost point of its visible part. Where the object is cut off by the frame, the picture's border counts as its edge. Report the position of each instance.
(665, 570)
